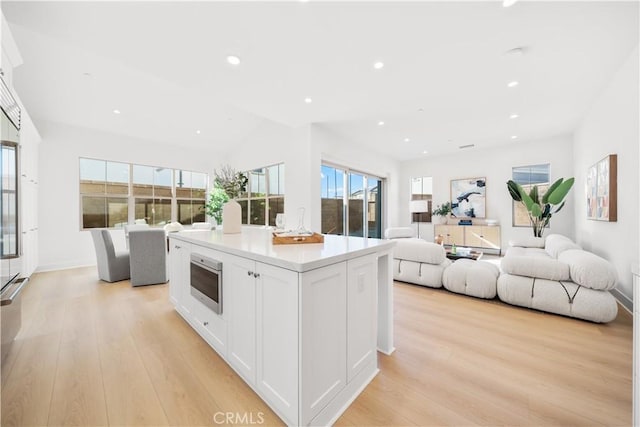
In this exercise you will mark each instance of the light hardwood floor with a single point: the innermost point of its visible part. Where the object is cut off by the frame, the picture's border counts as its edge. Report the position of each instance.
(92, 353)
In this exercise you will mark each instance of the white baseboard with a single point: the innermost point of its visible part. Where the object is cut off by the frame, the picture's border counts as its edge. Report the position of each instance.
(64, 266)
(624, 300)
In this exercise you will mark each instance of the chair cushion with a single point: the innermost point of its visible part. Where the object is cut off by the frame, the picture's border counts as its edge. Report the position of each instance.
(532, 252)
(588, 269)
(420, 251)
(473, 278)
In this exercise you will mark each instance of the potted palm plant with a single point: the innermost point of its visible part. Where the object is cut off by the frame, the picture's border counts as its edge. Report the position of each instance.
(540, 209)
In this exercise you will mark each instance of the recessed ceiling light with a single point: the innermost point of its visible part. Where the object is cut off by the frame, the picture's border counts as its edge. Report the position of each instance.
(116, 111)
(378, 65)
(513, 84)
(508, 3)
(308, 100)
(425, 152)
(198, 132)
(514, 116)
(514, 136)
(407, 140)
(233, 60)
(381, 123)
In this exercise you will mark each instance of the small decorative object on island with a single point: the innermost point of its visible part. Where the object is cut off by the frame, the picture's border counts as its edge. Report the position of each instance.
(441, 212)
(539, 209)
(233, 183)
(217, 199)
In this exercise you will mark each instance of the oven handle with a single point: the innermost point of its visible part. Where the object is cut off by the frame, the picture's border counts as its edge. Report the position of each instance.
(18, 284)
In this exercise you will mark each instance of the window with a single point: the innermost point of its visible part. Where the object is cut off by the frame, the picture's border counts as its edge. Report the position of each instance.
(422, 189)
(104, 190)
(191, 189)
(527, 177)
(351, 202)
(114, 194)
(264, 198)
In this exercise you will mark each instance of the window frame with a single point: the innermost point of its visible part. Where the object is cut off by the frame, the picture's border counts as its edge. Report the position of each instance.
(246, 197)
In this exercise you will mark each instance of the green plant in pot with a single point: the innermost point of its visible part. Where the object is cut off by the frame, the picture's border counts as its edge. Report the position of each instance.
(441, 212)
(217, 199)
(540, 209)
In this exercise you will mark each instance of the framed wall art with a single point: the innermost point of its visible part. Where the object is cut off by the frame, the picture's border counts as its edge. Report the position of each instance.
(602, 190)
(468, 197)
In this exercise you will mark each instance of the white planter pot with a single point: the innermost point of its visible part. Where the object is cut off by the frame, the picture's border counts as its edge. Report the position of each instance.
(439, 220)
(231, 217)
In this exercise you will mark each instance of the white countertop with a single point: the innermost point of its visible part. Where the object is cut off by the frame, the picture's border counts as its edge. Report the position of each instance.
(255, 243)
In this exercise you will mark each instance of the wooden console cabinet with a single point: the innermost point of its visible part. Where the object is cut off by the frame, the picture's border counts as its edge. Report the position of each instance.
(475, 236)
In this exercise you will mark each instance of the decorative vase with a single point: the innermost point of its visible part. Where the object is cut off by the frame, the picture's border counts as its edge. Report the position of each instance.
(231, 217)
(439, 219)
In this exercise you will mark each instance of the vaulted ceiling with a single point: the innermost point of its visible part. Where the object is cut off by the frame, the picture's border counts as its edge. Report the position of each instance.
(444, 81)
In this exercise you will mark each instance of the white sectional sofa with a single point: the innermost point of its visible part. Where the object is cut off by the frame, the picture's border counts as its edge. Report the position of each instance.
(555, 275)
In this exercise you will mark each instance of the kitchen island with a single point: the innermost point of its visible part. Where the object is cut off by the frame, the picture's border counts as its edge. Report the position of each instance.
(300, 323)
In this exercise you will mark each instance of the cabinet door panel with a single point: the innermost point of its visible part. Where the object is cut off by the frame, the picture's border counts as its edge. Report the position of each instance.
(362, 292)
(473, 236)
(324, 343)
(240, 290)
(491, 237)
(277, 338)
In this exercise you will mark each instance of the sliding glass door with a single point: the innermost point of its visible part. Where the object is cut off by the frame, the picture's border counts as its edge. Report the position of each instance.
(351, 203)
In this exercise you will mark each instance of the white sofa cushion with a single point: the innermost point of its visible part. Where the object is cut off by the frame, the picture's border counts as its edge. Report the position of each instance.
(527, 242)
(398, 232)
(588, 269)
(535, 266)
(420, 251)
(555, 244)
(564, 298)
(474, 278)
(532, 252)
(419, 273)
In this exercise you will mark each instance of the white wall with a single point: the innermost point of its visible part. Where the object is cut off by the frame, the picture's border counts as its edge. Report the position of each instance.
(303, 150)
(62, 244)
(335, 149)
(495, 164)
(271, 143)
(611, 127)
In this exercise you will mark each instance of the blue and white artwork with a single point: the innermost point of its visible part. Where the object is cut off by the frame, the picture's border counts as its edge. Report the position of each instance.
(468, 197)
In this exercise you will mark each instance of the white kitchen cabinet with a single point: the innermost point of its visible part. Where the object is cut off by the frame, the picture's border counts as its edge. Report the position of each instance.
(239, 304)
(179, 275)
(277, 338)
(324, 341)
(362, 291)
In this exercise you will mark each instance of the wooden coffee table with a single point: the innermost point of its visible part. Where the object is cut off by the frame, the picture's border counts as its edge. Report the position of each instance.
(474, 255)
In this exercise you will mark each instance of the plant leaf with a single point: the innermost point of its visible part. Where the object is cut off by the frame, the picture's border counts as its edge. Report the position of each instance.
(556, 197)
(528, 201)
(514, 191)
(545, 198)
(534, 194)
(536, 211)
(558, 208)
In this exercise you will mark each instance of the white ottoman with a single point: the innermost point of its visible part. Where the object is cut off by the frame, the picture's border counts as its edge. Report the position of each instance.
(474, 278)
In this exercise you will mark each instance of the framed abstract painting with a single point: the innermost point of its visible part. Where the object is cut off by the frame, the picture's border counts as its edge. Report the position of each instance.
(468, 197)
(602, 190)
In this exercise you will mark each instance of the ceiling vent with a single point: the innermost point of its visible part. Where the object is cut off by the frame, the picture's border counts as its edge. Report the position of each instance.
(462, 147)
